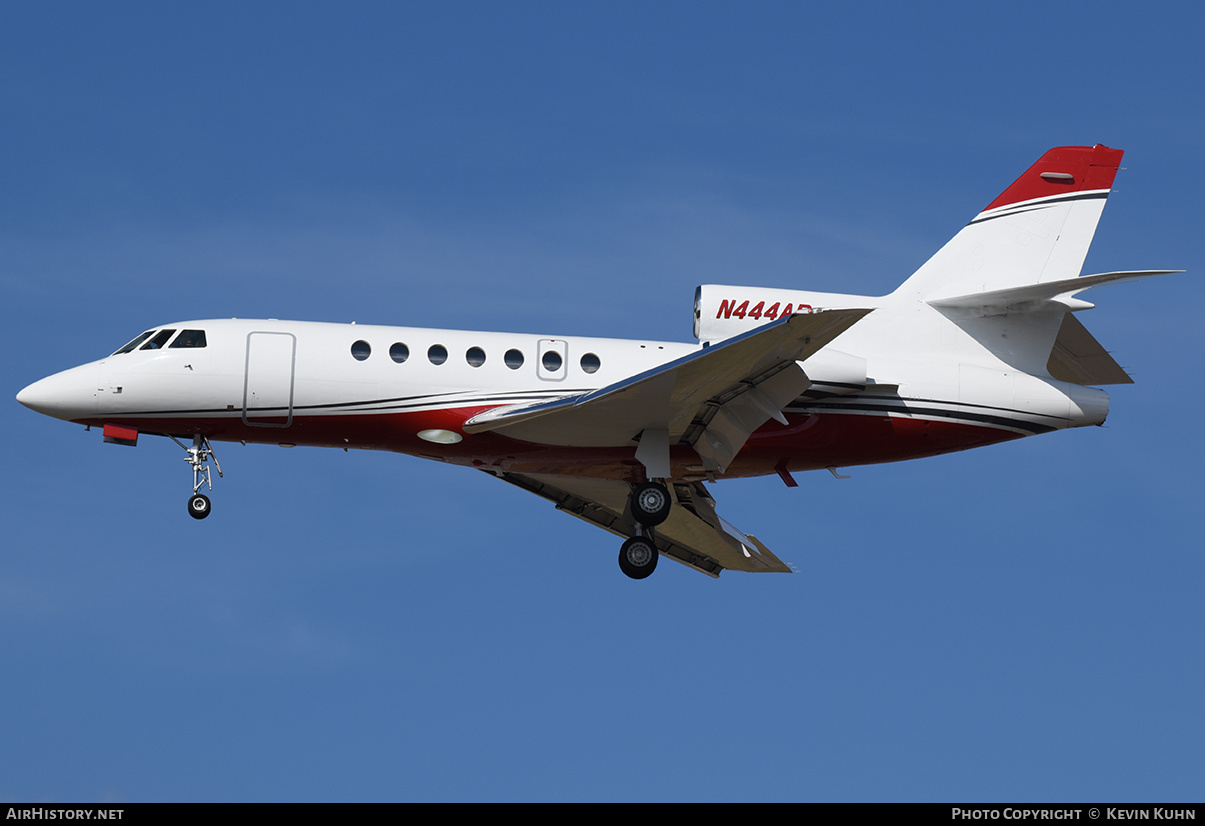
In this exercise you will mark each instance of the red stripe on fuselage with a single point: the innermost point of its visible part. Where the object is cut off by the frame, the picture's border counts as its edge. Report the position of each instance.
(807, 442)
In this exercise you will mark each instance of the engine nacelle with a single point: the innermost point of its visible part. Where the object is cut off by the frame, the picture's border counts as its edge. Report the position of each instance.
(722, 312)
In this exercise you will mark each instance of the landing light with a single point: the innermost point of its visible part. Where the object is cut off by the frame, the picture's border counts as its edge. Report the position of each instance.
(440, 437)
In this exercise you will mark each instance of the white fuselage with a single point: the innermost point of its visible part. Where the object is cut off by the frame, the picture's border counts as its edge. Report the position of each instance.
(410, 389)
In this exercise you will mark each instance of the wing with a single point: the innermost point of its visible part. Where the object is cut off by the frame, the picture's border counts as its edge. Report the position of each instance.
(694, 534)
(712, 399)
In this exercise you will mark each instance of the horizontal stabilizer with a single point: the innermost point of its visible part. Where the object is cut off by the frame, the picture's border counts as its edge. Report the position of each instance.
(1048, 291)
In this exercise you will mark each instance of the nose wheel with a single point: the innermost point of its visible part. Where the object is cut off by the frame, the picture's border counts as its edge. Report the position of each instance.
(199, 456)
(198, 506)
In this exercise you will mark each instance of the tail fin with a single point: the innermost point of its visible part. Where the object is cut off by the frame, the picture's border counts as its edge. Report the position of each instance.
(1037, 231)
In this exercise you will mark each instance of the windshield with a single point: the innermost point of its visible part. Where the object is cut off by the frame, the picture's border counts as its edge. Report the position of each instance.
(186, 339)
(135, 342)
(189, 338)
(158, 341)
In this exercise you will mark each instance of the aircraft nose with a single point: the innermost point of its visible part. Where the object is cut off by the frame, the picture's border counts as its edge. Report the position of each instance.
(68, 395)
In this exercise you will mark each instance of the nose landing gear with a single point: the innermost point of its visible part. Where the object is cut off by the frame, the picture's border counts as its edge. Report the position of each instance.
(198, 506)
(199, 456)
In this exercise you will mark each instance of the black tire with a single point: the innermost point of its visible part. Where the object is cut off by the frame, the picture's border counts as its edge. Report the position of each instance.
(198, 506)
(651, 503)
(638, 557)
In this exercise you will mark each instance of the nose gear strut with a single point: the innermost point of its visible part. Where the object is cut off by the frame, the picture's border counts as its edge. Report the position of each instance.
(199, 456)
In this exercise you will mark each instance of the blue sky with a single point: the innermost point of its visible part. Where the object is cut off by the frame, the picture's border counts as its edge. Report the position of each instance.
(1021, 622)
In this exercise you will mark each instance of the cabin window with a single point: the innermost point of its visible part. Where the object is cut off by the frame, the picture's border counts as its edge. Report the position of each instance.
(158, 341)
(361, 350)
(399, 352)
(552, 361)
(135, 342)
(590, 363)
(437, 353)
(475, 356)
(513, 359)
(189, 338)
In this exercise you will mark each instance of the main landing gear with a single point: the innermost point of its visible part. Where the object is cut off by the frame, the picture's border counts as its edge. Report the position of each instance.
(199, 456)
(650, 505)
(638, 557)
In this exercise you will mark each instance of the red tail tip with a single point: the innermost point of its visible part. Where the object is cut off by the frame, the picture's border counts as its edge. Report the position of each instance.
(1062, 170)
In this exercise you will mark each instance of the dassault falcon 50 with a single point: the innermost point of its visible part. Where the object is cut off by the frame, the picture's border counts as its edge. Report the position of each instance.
(980, 345)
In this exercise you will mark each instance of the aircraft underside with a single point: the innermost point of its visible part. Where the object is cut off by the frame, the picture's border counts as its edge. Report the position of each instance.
(673, 517)
(812, 440)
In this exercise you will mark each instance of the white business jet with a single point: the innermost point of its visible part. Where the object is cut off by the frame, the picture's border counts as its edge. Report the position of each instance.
(979, 346)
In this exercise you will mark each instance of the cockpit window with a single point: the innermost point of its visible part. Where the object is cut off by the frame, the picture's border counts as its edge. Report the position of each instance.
(158, 341)
(189, 338)
(135, 342)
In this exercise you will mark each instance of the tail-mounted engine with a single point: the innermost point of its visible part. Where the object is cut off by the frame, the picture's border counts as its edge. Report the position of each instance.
(722, 312)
